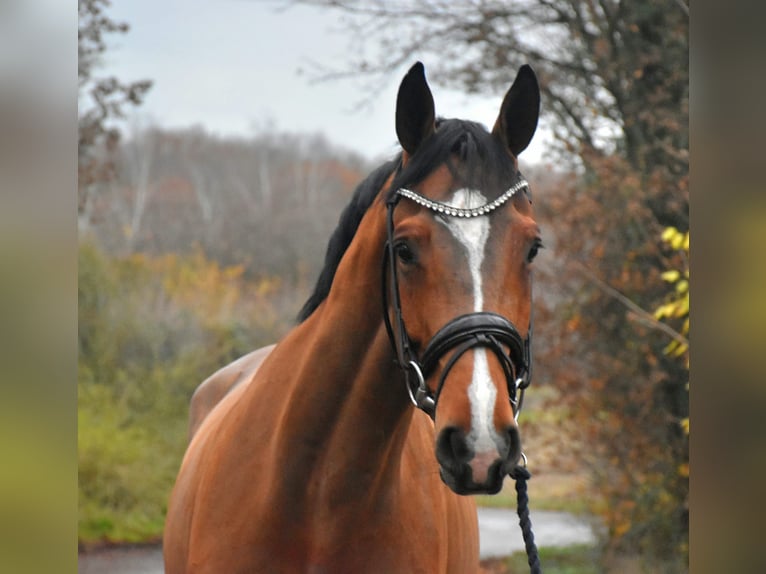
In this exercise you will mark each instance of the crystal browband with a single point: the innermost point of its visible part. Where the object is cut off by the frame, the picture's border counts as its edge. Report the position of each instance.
(459, 211)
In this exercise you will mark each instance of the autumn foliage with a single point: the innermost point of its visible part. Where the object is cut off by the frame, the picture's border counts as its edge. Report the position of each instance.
(196, 252)
(608, 355)
(150, 329)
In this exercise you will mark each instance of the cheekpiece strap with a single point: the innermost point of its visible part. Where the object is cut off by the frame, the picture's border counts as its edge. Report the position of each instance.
(482, 329)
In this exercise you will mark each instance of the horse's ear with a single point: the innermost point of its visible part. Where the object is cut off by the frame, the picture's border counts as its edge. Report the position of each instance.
(415, 114)
(517, 121)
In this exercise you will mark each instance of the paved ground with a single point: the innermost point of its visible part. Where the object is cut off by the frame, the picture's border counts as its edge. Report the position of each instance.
(140, 560)
(499, 536)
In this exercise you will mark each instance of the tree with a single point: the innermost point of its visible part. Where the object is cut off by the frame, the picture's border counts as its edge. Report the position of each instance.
(100, 100)
(614, 74)
(240, 200)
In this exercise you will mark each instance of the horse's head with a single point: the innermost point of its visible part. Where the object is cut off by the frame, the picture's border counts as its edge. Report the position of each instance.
(462, 238)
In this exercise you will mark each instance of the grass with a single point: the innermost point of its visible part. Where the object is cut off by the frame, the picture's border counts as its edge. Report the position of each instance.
(577, 559)
(551, 491)
(126, 470)
(150, 329)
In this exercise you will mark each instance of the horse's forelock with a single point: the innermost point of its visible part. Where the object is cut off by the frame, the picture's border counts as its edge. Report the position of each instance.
(476, 158)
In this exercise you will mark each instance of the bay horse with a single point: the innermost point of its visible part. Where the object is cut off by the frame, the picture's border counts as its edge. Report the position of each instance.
(309, 456)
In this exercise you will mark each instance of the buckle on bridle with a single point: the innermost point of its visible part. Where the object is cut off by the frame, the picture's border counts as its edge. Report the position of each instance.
(517, 400)
(420, 396)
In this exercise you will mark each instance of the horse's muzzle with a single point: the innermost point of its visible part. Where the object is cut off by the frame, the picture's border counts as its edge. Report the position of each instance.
(466, 472)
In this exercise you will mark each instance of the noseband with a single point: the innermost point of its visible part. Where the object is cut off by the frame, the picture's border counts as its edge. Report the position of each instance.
(466, 332)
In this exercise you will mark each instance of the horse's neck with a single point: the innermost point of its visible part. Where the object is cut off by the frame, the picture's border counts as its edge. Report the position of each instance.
(346, 414)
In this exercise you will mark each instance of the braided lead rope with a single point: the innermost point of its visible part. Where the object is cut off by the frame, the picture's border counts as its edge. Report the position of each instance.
(521, 475)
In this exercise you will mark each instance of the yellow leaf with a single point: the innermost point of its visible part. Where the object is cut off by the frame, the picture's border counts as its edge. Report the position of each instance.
(680, 350)
(669, 233)
(671, 347)
(663, 311)
(621, 528)
(671, 276)
(683, 307)
(685, 425)
(683, 469)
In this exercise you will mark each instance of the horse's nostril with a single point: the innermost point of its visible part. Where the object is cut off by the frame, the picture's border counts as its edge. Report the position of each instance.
(513, 444)
(452, 446)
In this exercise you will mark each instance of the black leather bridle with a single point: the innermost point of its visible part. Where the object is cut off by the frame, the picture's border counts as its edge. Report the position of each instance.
(482, 329)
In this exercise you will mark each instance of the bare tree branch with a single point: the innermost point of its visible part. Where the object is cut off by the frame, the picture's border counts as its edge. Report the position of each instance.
(683, 6)
(643, 316)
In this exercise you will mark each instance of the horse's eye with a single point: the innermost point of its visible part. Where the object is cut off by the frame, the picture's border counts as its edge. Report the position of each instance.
(536, 246)
(404, 252)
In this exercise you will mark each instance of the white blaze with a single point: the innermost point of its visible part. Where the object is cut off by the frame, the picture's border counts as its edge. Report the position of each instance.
(472, 233)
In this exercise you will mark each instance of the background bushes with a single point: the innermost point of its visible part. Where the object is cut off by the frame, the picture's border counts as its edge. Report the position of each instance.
(150, 330)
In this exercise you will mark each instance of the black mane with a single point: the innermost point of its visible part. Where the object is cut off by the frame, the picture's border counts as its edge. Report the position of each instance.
(484, 164)
(341, 238)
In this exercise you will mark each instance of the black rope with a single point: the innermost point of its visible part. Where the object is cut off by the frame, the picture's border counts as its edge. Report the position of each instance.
(521, 475)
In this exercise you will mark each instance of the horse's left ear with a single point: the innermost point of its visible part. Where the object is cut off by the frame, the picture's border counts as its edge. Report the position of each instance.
(415, 116)
(517, 121)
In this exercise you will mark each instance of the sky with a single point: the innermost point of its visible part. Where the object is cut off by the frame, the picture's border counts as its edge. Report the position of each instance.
(234, 68)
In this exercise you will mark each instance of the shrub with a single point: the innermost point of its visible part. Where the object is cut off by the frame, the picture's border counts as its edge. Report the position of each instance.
(150, 330)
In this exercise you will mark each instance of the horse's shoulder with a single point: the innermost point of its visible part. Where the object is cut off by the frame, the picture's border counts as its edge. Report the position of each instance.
(213, 389)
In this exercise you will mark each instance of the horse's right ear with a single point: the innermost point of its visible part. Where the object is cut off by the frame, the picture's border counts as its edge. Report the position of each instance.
(415, 116)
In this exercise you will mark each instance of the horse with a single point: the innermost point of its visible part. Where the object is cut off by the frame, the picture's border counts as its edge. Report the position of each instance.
(353, 444)
(210, 392)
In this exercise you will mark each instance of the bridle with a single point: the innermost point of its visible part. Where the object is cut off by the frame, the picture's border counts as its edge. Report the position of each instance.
(461, 334)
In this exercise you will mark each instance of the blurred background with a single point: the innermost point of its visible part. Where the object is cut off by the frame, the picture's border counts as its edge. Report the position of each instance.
(218, 143)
